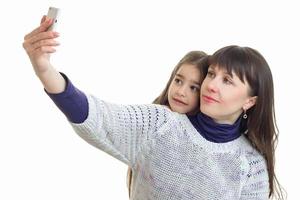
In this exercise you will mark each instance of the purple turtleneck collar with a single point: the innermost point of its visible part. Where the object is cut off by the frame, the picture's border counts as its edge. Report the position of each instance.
(214, 132)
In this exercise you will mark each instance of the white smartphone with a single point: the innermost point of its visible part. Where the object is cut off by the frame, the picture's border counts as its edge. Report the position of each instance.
(53, 13)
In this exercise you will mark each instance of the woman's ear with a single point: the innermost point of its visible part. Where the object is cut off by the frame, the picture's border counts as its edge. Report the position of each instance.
(251, 101)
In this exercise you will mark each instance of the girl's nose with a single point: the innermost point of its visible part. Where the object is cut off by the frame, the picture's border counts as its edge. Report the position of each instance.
(181, 91)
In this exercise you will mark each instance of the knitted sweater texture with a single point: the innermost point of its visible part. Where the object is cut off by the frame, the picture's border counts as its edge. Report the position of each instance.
(169, 158)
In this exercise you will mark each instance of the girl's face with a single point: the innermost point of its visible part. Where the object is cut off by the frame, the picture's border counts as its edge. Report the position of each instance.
(224, 97)
(183, 93)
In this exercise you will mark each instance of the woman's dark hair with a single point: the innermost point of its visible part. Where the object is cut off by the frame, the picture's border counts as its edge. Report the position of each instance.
(248, 64)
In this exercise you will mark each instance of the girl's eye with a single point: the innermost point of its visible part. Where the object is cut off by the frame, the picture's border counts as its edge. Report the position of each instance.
(195, 88)
(178, 81)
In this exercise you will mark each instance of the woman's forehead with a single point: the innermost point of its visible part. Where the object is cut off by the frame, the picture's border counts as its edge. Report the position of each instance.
(221, 68)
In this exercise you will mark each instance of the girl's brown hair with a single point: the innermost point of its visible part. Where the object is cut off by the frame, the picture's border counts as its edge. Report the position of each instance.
(248, 64)
(196, 58)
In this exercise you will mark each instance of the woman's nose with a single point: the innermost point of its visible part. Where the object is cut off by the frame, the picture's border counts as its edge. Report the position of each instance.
(213, 86)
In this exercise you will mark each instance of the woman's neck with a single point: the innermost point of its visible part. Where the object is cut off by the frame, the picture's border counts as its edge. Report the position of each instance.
(214, 131)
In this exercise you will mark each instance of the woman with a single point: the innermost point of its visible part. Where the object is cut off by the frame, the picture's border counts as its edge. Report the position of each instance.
(226, 151)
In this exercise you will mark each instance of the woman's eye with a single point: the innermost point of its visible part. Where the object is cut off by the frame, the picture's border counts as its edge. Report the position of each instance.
(227, 81)
(210, 74)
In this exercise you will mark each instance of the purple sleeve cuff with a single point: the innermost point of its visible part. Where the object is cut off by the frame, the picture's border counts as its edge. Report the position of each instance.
(72, 102)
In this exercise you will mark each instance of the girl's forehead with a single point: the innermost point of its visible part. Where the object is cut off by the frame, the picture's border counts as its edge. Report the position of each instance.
(187, 68)
(189, 72)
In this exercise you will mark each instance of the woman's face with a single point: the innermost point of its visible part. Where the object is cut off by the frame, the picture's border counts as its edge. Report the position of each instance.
(224, 97)
(183, 93)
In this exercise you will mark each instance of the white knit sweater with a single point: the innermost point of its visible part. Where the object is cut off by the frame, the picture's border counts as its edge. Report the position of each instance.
(169, 158)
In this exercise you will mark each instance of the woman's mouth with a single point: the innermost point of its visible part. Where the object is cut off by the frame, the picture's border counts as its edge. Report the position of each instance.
(209, 99)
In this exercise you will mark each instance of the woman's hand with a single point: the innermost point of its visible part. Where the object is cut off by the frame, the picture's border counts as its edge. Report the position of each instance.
(39, 44)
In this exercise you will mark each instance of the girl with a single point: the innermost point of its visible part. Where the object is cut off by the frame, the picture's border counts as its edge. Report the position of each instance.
(226, 151)
(181, 93)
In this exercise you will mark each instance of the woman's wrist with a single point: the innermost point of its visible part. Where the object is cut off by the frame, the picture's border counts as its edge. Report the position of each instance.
(52, 80)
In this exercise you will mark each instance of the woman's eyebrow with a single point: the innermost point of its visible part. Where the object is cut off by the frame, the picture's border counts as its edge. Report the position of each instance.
(223, 70)
(229, 74)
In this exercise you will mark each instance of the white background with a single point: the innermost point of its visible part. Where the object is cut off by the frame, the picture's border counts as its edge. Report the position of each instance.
(124, 52)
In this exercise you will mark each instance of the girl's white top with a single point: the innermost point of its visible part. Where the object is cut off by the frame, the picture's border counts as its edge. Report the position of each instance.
(169, 158)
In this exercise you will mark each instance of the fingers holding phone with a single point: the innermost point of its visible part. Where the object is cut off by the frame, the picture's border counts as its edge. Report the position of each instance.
(53, 13)
(41, 41)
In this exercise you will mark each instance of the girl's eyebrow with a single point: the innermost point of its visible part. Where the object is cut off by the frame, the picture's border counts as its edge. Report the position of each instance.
(181, 76)
(195, 82)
